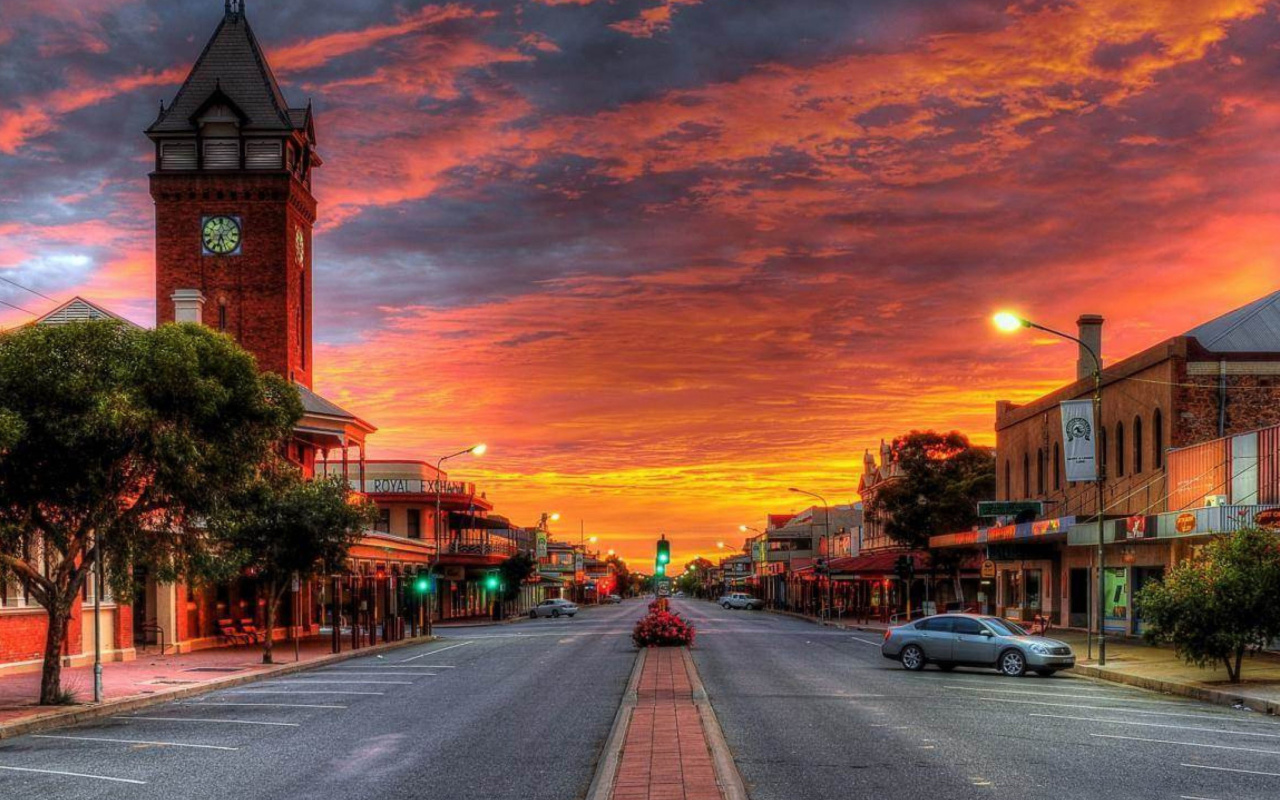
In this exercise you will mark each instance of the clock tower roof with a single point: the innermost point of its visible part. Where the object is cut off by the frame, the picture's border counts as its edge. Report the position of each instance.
(232, 70)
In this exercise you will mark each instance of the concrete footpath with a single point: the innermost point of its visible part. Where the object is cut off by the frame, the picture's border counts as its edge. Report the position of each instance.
(1133, 662)
(152, 679)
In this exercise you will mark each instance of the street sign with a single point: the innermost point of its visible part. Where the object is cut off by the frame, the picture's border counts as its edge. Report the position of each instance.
(1009, 508)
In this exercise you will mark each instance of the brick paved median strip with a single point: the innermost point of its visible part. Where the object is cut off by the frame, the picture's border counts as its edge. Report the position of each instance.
(666, 752)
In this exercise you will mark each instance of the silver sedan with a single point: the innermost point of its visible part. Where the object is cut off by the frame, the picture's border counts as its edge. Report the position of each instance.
(951, 640)
(556, 607)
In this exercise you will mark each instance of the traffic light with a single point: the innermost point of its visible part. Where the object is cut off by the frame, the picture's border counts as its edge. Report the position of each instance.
(422, 584)
(661, 569)
(664, 551)
(491, 582)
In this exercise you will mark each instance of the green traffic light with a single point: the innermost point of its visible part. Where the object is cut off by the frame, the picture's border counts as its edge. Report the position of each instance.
(422, 585)
(491, 583)
(660, 570)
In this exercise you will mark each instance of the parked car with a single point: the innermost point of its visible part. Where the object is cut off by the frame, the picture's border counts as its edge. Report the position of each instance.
(741, 600)
(555, 607)
(612, 598)
(680, 594)
(951, 640)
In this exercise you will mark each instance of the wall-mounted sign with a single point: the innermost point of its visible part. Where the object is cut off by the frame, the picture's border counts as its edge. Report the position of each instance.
(1185, 523)
(1135, 527)
(1268, 519)
(1009, 508)
(988, 569)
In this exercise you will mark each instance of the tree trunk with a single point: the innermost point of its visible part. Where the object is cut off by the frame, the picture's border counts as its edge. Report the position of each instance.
(272, 600)
(59, 613)
(1239, 657)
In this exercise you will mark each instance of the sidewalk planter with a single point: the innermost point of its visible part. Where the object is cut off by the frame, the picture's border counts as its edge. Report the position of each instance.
(662, 628)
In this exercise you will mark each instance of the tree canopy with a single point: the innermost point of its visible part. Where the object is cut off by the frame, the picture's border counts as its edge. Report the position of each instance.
(943, 478)
(1220, 604)
(121, 443)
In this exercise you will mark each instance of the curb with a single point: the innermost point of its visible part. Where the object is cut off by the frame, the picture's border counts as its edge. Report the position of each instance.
(1205, 694)
(601, 787)
(844, 626)
(76, 715)
(727, 775)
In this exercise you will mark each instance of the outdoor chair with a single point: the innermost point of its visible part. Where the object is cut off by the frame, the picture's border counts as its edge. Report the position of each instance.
(227, 630)
(251, 631)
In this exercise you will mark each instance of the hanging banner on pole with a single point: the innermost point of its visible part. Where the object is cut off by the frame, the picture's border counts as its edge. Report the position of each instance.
(1078, 443)
(540, 547)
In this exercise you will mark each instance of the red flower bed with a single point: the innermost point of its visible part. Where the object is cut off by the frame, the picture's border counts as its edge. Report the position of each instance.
(662, 629)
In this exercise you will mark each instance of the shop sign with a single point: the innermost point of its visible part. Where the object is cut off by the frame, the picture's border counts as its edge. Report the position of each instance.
(453, 573)
(1185, 523)
(1268, 520)
(988, 569)
(1003, 533)
(1135, 527)
(1009, 508)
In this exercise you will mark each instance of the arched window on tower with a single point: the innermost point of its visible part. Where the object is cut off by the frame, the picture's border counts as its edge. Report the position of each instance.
(1157, 439)
(1119, 449)
(1137, 445)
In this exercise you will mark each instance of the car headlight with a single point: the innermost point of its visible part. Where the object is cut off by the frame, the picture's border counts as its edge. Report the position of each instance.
(1038, 649)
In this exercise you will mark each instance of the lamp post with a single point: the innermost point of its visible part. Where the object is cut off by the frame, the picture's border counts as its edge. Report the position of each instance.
(1010, 322)
(477, 450)
(97, 616)
(758, 533)
(583, 540)
(826, 539)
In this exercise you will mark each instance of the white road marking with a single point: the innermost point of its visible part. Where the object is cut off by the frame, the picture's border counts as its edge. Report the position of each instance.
(433, 652)
(1060, 695)
(865, 641)
(1126, 710)
(311, 681)
(295, 691)
(1158, 725)
(1193, 797)
(221, 721)
(262, 705)
(1185, 744)
(133, 741)
(397, 665)
(1229, 769)
(379, 672)
(75, 775)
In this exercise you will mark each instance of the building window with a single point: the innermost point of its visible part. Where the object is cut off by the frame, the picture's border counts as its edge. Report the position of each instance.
(415, 523)
(1008, 485)
(1137, 445)
(1057, 467)
(1157, 439)
(222, 317)
(383, 525)
(1102, 445)
(1040, 472)
(1119, 449)
(1026, 474)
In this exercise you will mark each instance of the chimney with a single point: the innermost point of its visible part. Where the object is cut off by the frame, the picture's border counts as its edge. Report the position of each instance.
(1090, 326)
(188, 305)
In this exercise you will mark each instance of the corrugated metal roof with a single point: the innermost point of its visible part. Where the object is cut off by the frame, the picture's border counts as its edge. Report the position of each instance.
(1254, 328)
(233, 63)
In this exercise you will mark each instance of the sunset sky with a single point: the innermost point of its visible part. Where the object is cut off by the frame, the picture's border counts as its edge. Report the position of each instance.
(670, 257)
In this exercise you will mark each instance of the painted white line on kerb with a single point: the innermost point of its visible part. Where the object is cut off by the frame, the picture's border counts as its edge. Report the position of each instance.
(297, 691)
(865, 641)
(1229, 769)
(1158, 725)
(75, 775)
(215, 721)
(133, 741)
(263, 705)
(1185, 744)
(433, 652)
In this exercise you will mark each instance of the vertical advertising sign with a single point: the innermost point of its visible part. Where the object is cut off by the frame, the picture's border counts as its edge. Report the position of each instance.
(1078, 440)
(541, 546)
(579, 571)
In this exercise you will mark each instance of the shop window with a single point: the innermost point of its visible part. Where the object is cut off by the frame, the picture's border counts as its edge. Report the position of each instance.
(414, 523)
(1032, 586)
(1137, 445)
(1157, 439)
(383, 525)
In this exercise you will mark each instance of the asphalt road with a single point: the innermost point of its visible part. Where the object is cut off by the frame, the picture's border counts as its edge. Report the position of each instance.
(511, 711)
(817, 713)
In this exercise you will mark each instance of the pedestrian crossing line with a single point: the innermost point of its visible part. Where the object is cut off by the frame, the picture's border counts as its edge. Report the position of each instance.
(1185, 744)
(74, 775)
(1232, 769)
(1159, 725)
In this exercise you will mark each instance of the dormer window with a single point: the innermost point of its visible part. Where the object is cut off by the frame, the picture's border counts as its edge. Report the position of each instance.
(222, 154)
(178, 155)
(263, 154)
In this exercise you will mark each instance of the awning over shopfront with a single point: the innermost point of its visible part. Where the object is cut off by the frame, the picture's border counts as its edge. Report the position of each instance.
(384, 547)
(1176, 524)
(1045, 530)
(884, 564)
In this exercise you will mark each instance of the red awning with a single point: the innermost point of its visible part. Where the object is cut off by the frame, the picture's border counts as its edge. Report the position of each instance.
(884, 562)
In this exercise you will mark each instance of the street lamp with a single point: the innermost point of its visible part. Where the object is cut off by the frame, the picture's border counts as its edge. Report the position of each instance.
(826, 538)
(475, 450)
(1008, 322)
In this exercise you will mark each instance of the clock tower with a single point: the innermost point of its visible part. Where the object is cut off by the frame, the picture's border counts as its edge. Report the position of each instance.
(234, 211)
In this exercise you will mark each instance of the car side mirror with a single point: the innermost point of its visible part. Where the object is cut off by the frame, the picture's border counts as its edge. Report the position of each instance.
(987, 633)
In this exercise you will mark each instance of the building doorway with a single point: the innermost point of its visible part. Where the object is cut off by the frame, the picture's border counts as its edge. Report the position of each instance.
(1078, 615)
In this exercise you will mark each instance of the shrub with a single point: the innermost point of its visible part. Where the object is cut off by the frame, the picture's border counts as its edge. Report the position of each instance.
(662, 629)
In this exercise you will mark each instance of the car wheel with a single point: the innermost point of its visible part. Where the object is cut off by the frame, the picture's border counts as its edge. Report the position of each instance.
(533, 615)
(555, 612)
(945, 667)
(725, 606)
(912, 658)
(1013, 664)
(571, 615)
(1045, 673)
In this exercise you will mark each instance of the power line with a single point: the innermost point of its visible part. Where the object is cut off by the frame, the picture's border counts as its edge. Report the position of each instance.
(20, 308)
(27, 289)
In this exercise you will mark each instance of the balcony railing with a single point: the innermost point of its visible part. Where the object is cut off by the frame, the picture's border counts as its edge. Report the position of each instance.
(478, 543)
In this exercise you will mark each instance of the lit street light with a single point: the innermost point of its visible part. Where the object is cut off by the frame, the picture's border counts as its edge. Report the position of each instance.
(1008, 322)
(826, 539)
(475, 450)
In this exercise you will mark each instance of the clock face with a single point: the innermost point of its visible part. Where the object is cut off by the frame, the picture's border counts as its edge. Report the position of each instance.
(221, 235)
(299, 245)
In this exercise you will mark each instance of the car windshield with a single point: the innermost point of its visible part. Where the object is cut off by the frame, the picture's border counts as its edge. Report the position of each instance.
(1004, 627)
